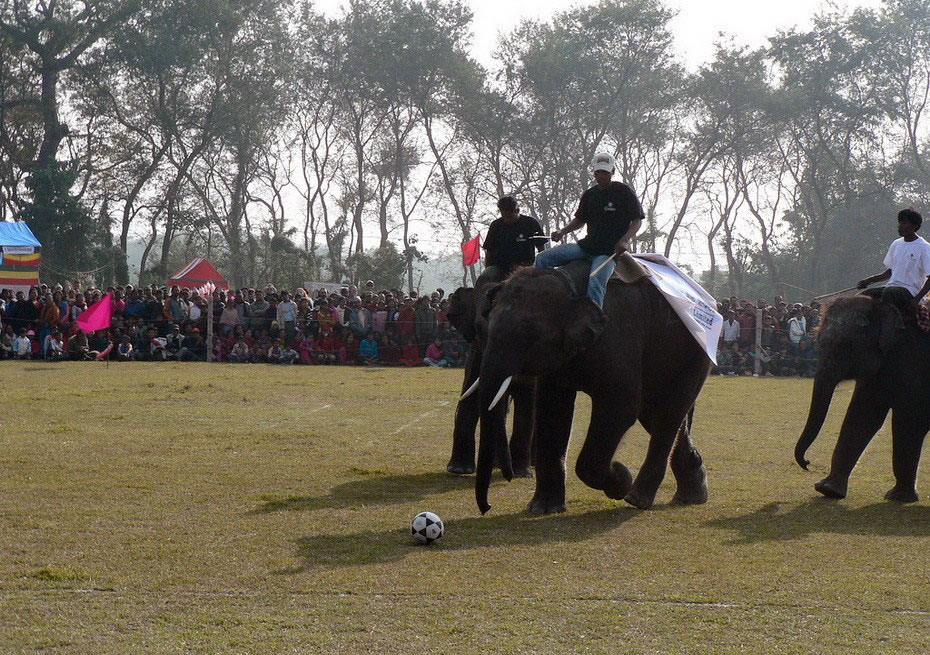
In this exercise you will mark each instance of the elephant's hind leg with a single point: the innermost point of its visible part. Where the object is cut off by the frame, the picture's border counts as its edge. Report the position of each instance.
(688, 467)
(665, 418)
(909, 427)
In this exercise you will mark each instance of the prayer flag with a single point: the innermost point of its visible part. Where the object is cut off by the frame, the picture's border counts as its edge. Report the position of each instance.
(471, 250)
(97, 316)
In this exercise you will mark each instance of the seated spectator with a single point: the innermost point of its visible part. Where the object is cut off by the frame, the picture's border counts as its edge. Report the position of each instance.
(193, 347)
(22, 344)
(304, 347)
(54, 348)
(410, 353)
(240, 352)
(368, 350)
(348, 353)
(6, 342)
(124, 351)
(78, 349)
(275, 353)
(434, 355)
(389, 351)
(173, 342)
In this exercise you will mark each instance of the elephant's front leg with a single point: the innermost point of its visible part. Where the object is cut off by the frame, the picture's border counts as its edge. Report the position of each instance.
(909, 426)
(867, 411)
(524, 422)
(467, 413)
(612, 414)
(555, 409)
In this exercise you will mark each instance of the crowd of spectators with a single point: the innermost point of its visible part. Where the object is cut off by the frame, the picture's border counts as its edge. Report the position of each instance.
(387, 327)
(308, 326)
(788, 343)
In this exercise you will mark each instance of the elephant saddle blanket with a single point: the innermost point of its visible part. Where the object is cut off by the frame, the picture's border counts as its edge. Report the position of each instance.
(696, 308)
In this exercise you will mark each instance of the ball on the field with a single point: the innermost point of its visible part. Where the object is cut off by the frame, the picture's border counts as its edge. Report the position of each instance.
(426, 527)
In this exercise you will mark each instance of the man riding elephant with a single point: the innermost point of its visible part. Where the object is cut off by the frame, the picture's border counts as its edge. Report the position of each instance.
(512, 241)
(613, 215)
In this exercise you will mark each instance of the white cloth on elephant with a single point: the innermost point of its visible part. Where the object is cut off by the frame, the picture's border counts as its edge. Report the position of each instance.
(696, 308)
(909, 262)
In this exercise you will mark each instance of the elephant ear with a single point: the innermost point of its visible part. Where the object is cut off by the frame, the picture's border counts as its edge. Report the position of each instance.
(461, 312)
(891, 327)
(586, 324)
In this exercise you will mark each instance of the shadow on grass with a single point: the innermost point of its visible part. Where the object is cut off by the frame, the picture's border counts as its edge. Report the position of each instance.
(520, 529)
(823, 516)
(382, 490)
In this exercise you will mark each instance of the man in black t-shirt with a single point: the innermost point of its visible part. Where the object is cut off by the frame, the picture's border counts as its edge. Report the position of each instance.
(613, 215)
(510, 241)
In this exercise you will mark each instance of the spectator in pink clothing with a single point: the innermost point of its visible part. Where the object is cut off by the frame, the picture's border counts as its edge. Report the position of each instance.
(434, 355)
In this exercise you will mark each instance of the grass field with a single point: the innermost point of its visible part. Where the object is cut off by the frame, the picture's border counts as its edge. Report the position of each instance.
(163, 508)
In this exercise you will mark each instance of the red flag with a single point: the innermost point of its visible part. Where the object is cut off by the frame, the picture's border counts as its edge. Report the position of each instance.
(471, 250)
(97, 316)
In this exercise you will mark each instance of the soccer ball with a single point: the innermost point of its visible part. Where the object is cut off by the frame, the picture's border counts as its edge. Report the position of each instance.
(426, 527)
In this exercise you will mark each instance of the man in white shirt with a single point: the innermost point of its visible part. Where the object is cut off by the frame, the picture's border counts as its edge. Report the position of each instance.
(730, 331)
(797, 328)
(908, 265)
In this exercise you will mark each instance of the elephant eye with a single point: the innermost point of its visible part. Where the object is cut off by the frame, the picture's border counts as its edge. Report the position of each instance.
(862, 321)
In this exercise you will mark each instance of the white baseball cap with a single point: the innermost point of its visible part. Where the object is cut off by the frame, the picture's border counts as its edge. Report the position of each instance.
(603, 161)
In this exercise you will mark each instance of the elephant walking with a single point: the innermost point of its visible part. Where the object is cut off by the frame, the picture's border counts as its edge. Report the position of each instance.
(635, 359)
(864, 339)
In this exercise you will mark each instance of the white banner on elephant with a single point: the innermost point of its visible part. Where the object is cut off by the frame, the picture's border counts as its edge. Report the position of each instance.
(695, 307)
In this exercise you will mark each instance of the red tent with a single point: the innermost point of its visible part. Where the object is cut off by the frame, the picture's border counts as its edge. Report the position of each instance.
(197, 273)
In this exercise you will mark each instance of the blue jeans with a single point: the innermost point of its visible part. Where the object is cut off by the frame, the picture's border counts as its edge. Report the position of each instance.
(569, 252)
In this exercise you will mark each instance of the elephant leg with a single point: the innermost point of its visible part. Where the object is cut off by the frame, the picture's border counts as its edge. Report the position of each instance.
(467, 413)
(908, 430)
(866, 413)
(611, 416)
(688, 467)
(556, 407)
(524, 423)
(665, 418)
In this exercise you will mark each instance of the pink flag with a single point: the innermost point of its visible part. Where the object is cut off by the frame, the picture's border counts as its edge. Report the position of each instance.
(97, 316)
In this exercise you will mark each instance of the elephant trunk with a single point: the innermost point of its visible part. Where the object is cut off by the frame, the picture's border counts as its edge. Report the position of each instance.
(824, 386)
(492, 443)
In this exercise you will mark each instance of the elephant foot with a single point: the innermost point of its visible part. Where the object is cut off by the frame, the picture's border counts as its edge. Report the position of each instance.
(546, 505)
(619, 481)
(902, 495)
(832, 488)
(460, 468)
(693, 489)
(523, 471)
(642, 499)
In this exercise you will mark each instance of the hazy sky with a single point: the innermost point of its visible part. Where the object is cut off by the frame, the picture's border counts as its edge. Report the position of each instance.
(696, 27)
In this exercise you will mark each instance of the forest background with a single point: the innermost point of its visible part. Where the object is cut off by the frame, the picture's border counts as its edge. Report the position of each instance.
(288, 144)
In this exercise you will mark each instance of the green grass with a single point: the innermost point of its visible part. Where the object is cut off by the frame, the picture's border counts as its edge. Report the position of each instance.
(163, 508)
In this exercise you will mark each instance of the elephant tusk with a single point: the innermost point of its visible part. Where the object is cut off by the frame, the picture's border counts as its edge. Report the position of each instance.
(501, 392)
(470, 390)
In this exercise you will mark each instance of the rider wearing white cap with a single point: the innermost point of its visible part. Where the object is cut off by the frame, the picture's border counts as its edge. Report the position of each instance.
(613, 215)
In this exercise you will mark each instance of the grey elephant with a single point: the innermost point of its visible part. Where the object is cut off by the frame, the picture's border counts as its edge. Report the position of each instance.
(635, 359)
(866, 340)
(462, 315)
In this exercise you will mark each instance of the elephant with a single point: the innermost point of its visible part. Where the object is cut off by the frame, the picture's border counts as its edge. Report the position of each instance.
(635, 359)
(866, 340)
(462, 315)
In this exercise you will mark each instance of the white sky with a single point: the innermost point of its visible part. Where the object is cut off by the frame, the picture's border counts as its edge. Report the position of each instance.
(697, 26)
